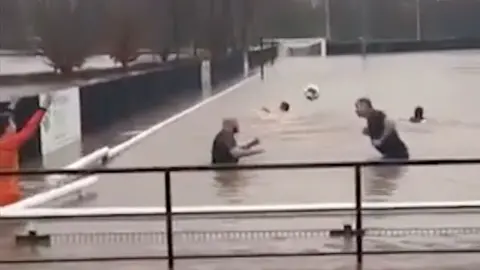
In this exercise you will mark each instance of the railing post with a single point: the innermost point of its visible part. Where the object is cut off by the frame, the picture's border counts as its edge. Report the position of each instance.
(169, 220)
(358, 213)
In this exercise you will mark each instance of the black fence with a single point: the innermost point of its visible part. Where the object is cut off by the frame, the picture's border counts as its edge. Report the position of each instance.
(258, 57)
(103, 104)
(226, 68)
(346, 20)
(357, 232)
(393, 46)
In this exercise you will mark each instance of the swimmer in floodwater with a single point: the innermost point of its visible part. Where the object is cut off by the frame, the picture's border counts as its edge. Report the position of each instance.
(417, 115)
(273, 121)
(284, 107)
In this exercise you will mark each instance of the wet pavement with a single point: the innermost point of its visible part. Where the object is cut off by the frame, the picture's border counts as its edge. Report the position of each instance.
(325, 130)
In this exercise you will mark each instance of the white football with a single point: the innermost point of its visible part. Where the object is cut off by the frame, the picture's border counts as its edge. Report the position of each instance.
(311, 92)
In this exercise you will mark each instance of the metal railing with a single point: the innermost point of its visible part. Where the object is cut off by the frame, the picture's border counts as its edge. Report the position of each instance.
(356, 232)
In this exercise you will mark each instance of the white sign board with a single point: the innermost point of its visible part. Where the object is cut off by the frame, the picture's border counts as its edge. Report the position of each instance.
(61, 125)
(205, 75)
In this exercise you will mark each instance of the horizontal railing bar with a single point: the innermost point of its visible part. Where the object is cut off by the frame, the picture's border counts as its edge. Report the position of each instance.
(53, 194)
(268, 166)
(238, 256)
(128, 212)
(263, 216)
(164, 257)
(258, 216)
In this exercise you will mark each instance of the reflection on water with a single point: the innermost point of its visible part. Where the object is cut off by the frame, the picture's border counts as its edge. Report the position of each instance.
(7, 229)
(269, 126)
(381, 181)
(291, 126)
(431, 123)
(302, 127)
(232, 184)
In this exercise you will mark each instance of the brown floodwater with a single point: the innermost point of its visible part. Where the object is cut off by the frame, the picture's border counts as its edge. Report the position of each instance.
(444, 83)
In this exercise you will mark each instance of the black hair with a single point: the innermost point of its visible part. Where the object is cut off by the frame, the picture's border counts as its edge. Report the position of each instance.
(284, 106)
(418, 112)
(4, 122)
(366, 101)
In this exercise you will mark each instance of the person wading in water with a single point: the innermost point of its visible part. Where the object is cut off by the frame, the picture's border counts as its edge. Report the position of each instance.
(225, 149)
(381, 130)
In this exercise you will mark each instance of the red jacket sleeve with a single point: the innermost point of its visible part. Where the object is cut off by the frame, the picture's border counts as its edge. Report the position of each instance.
(19, 138)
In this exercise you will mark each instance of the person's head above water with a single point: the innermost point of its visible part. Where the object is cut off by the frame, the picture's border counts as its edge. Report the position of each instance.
(417, 115)
(363, 107)
(284, 106)
(231, 125)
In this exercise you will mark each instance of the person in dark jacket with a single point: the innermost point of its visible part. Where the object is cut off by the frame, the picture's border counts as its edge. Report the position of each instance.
(225, 149)
(381, 130)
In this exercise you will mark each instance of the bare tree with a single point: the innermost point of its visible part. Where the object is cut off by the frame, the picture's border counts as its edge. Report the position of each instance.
(125, 33)
(63, 34)
(218, 28)
(13, 25)
(160, 27)
(239, 24)
(189, 22)
(201, 34)
(253, 19)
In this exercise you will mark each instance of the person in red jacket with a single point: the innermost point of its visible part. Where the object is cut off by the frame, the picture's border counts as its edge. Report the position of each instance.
(11, 141)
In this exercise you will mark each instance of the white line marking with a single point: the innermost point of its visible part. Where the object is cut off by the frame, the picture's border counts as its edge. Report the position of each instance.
(88, 160)
(52, 194)
(116, 150)
(131, 133)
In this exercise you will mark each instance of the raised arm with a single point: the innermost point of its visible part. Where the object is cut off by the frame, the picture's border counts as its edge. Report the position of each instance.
(29, 129)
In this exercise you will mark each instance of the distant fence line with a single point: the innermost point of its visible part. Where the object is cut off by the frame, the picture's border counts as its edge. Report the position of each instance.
(233, 22)
(401, 19)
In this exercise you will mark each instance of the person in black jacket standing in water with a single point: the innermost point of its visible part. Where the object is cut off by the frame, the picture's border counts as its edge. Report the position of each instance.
(225, 149)
(381, 130)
